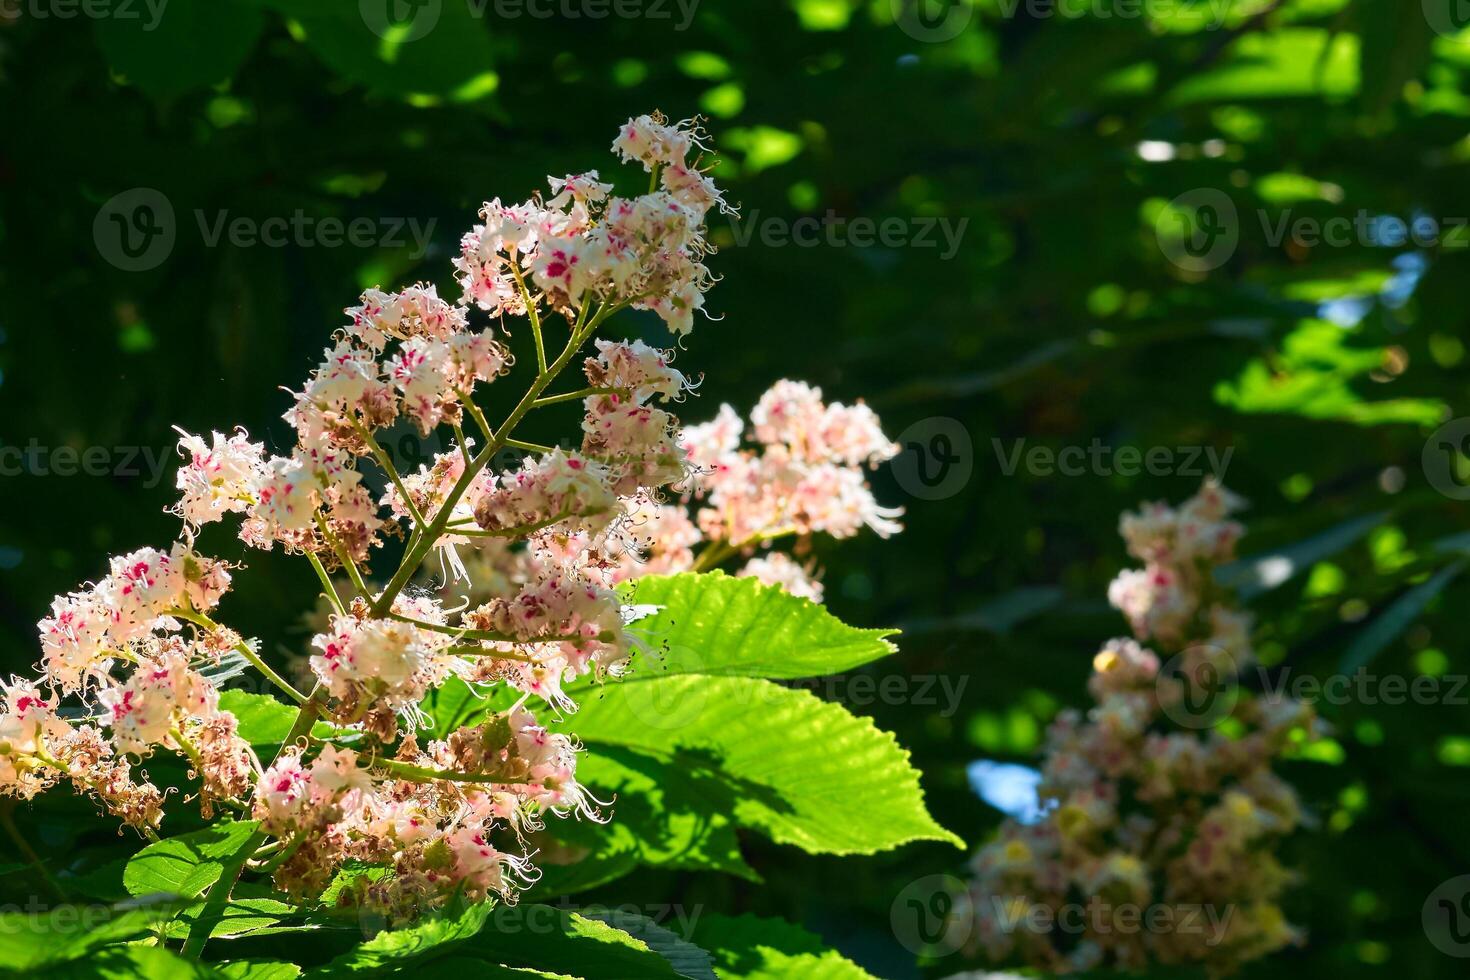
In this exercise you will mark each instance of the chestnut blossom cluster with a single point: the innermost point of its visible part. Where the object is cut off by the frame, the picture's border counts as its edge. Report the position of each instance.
(587, 245)
(1179, 549)
(1151, 803)
(432, 832)
(125, 646)
(723, 500)
(364, 774)
(806, 476)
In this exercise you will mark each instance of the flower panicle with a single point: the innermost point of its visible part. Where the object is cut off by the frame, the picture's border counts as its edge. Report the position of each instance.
(1146, 804)
(544, 539)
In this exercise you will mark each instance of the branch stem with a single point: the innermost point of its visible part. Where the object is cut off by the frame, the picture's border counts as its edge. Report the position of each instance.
(419, 549)
(203, 621)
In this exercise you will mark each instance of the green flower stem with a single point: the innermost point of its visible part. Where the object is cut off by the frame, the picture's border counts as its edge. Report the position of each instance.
(281, 856)
(530, 447)
(199, 619)
(712, 555)
(719, 551)
(492, 637)
(423, 774)
(533, 315)
(328, 589)
(520, 530)
(341, 553)
(187, 747)
(419, 550)
(573, 396)
(477, 415)
(219, 896)
(494, 654)
(310, 711)
(464, 449)
(387, 464)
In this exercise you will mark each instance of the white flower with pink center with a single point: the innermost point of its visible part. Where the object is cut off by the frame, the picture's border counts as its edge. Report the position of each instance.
(74, 641)
(219, 477)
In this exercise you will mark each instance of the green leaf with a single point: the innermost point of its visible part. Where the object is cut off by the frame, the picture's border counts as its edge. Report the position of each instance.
(436, 50)
(263, 720)
(130, 963)
(258, 970)
(1313, 376)
(67, 932)
(1399, 616)
(685, 957)
(398, 949)
(1286, 63)
(464, 968)
(666, 816)
(751, 948)
(534, 936)
(454, 703)
(241, 917)
(188, 44)
(188, 864)
(347, 879)
(802, 770)
(722, 626)
(556, 941)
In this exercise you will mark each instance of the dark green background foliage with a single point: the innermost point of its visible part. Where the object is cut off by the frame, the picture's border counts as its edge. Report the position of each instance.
(1059, 320)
